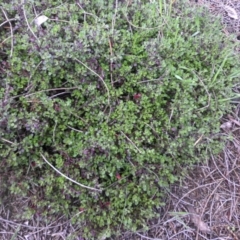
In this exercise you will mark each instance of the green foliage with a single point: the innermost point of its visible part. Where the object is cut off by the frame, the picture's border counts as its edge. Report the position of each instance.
(117, 98)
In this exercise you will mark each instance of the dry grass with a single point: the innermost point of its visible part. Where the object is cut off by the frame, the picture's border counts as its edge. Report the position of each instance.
(205, 206)
(221, 8)
(59, 228)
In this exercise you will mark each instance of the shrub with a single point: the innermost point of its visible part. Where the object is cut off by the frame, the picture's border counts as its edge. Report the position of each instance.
(118, 98)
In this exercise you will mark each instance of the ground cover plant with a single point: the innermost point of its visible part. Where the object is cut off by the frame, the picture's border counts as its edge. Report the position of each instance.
(106, 103)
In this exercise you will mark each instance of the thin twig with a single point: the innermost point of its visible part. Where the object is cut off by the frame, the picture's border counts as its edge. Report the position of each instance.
(96, 75)
(9, 20)
(33, 73)
(144, 28)
(5, 40)
(79, 5)
(194, 189)
(199, 139)
(25, 16)
(147, 237)
(208, 94)
(46, 90)
(5, 140)
(74, 129)
(10, 29)
(131, 141)
(205, 205)
(111, 62)
(228, 180)
(54, 130)
(68, 178)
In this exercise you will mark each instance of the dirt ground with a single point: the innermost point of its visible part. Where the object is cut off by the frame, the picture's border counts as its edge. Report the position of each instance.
(206, 205)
